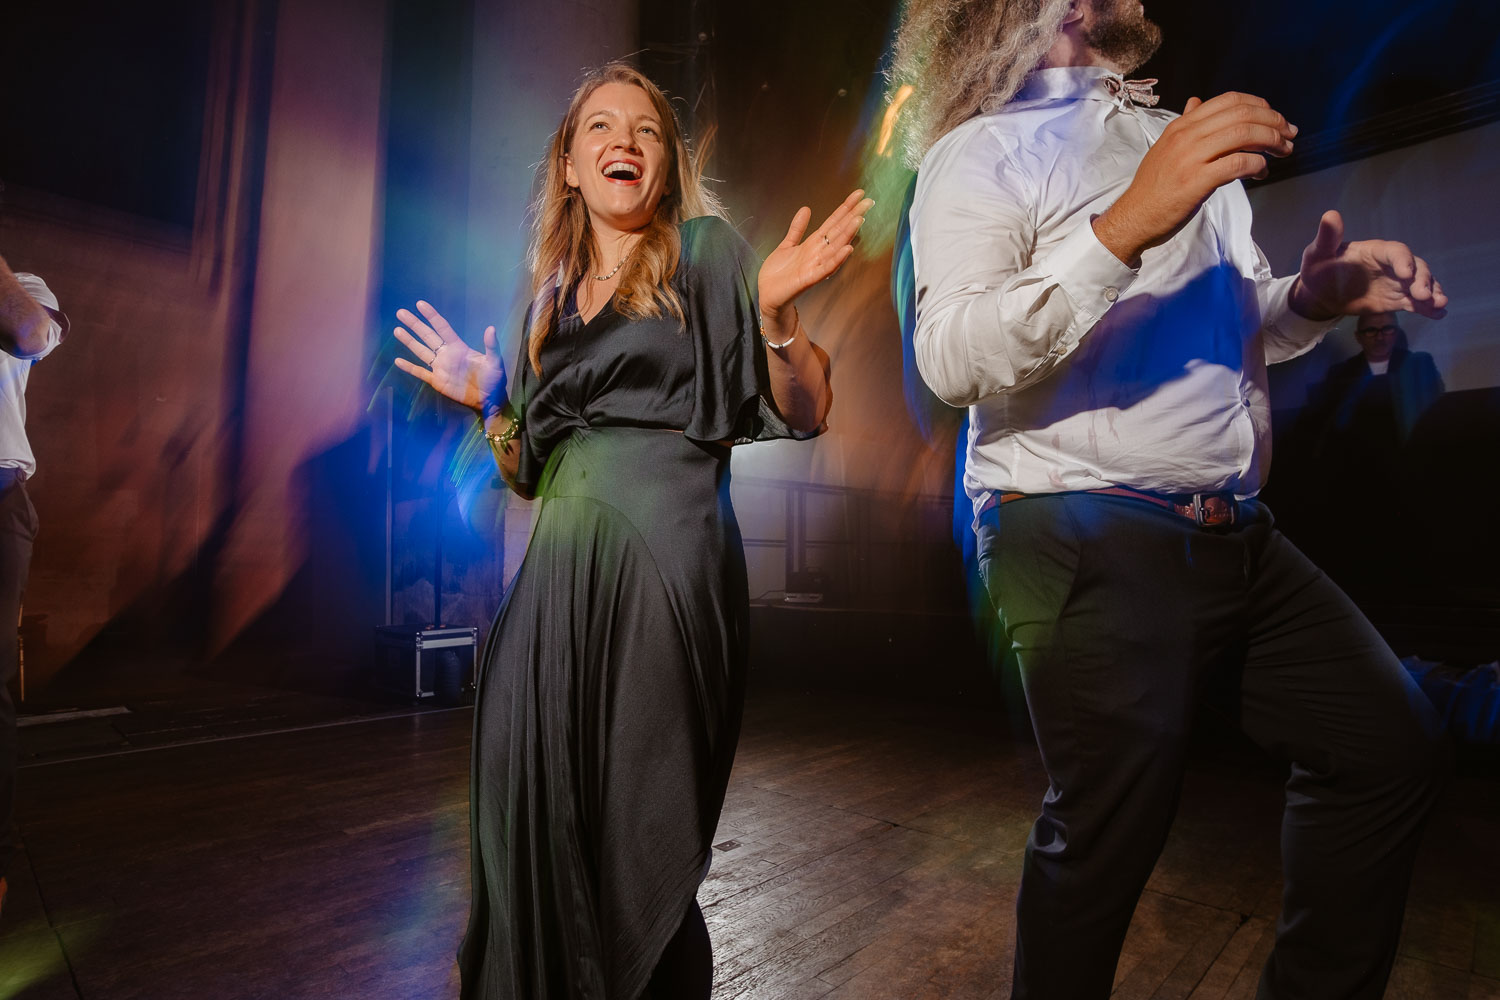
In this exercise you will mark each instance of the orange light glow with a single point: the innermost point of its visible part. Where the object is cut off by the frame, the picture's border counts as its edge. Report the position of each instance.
(888, 124)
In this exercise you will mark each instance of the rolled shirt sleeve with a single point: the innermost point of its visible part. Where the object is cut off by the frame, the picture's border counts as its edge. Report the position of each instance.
(38, 290)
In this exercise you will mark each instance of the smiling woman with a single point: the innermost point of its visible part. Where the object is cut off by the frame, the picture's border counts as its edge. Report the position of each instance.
(621, 127)
(618, 161)
(611, 690)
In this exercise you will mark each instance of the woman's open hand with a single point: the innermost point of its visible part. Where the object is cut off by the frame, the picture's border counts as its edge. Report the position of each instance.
(454, 368)
(798, 264)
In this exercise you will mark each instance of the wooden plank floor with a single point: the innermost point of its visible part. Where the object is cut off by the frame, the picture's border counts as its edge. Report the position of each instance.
(869, 849)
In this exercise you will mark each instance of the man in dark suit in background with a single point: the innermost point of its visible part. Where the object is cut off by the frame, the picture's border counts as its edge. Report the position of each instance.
(1354, 430)
(1385, 388)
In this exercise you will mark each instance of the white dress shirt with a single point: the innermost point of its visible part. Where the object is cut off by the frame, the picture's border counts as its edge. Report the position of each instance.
(15, 450)
(1079, 372)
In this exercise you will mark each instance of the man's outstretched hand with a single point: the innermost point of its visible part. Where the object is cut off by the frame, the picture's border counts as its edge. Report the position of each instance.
(1370, 276)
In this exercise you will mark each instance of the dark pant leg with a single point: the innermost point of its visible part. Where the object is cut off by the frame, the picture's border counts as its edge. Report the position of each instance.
(1321, 688)
(17, 531)
(1114, 609)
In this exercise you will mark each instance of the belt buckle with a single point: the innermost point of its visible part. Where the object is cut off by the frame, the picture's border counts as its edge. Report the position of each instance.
(1201, 513)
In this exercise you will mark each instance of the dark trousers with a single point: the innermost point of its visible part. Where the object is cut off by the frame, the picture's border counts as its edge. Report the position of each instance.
(17, 532)
(1121, 614)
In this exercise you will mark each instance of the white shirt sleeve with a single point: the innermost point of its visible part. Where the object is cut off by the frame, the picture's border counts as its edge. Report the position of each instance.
(992, 314)
(1284, 333)
(38, 290)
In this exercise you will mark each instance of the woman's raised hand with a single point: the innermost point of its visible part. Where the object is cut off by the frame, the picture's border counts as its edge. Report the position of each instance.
(454, 368)
(798, 264)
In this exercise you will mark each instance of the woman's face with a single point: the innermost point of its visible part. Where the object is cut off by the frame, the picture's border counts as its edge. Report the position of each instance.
(618, 158)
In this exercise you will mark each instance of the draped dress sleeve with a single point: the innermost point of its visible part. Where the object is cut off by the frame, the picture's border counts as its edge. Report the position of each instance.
(732, 400)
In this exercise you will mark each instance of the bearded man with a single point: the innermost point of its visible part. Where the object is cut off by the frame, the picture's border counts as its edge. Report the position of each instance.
(1086, 284)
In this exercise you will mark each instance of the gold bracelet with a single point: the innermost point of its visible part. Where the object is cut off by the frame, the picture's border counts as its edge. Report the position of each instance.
(502, 441)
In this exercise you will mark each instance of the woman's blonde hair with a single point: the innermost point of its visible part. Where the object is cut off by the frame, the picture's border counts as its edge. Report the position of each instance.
(563, 249)
(964, 58)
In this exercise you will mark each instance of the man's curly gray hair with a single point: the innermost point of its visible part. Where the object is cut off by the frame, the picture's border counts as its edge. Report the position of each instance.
(964, 58)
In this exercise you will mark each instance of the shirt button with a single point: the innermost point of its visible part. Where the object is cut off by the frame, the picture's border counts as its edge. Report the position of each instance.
(1111, 293)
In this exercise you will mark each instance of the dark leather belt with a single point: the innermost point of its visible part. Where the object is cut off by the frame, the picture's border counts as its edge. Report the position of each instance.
(1207, 510)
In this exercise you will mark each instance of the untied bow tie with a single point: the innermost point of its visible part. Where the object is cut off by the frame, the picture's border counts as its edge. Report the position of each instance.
(1135, 91)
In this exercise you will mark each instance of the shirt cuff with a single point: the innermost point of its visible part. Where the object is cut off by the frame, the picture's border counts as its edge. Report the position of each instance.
(1284, 323)
(1093, 277)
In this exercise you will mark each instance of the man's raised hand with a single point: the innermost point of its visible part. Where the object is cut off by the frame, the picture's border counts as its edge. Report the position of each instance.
(1215, 142)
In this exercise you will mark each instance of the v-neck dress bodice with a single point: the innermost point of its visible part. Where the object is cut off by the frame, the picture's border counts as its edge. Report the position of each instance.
(705, 376)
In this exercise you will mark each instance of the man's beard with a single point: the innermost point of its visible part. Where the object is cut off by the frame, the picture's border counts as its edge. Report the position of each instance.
(1121, 33)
